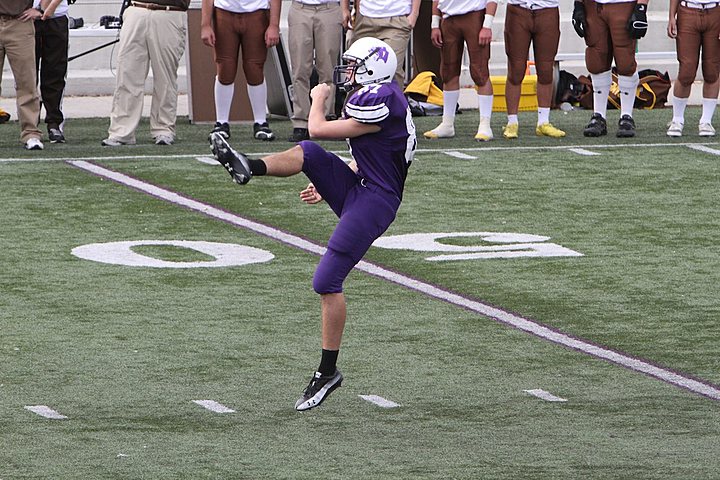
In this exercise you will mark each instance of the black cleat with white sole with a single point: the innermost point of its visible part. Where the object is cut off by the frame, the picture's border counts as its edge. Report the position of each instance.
(234, 162)
(319, 388)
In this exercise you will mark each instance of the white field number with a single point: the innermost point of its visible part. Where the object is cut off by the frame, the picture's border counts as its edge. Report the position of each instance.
(121, 253)
(495, 245)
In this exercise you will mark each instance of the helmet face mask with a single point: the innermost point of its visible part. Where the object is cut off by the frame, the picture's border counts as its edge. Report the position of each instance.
(367, 61)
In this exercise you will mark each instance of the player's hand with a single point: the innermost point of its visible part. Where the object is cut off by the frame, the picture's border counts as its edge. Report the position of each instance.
(485, 36)
(672, 28)
(207, 34)
(310, 195)
(436, 37)
(637, 23)
(412, 20)
(578, 19)
(30, 14)
(320, 92)
(272, 36)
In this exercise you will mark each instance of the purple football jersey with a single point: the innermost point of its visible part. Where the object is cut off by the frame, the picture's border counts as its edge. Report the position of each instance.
(382, 158)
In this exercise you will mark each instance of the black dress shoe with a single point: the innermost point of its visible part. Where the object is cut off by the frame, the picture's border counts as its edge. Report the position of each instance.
(298, 135)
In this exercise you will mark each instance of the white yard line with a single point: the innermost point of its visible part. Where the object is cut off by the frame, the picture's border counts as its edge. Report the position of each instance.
(460, 155)
(207, 160)
(344, 153)
(379, 401)
(214, 406)
(45, 411)
(704, 149)
(547, 396)
(501, 316)
(582, 151)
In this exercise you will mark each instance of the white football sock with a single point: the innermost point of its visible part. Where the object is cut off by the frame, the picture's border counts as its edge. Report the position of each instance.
(258, 101)
(450, 101)
(485, 103)
(543, 115)
(512, 119)
(628, 88)
(601, 88)
(708, 109)
(679, 105)
(223, 101)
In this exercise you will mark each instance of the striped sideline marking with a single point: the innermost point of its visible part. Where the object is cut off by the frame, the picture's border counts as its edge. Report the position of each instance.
(703, 148)
(697, 146)
(582, 151)
(460, 155)
(214, 406)
(45, 411)
(547, 396)
(379, 401)
(515, 321)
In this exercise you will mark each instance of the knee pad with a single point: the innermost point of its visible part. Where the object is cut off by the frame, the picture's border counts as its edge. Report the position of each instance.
(448, 72)
(226, 76)
(254, 72)
(516, 71)
(479, 75)
(544, 72)
(710, 73)
(331, 272)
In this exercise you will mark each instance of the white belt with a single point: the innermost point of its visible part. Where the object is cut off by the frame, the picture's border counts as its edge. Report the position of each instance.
(699, 6)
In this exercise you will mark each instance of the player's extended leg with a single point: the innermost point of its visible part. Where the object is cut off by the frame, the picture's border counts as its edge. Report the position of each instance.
(242, 169)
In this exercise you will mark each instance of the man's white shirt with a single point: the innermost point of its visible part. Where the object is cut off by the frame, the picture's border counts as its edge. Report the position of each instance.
(385, 8)
(242, 6)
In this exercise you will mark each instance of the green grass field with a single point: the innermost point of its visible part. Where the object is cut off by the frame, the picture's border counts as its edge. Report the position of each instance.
(123, 351)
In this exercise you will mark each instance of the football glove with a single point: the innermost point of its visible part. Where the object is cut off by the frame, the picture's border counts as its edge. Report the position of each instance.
(637, 23)
(578, 18)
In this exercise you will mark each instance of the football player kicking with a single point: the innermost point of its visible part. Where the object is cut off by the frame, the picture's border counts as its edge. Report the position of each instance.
(365, 194)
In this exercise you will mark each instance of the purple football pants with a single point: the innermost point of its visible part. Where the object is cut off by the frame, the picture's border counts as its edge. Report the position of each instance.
(365, 211)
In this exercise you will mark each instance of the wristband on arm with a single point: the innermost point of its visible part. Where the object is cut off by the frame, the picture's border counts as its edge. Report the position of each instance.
(487, 23)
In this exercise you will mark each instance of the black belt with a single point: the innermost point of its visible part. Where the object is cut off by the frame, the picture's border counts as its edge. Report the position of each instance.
(155, 6)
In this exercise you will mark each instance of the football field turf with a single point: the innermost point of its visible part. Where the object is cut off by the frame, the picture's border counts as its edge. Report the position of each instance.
(541, 308)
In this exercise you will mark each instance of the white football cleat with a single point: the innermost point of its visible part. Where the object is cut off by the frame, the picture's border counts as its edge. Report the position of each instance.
(706, 130)
(444, 130)
(484, 133)
(675, 129)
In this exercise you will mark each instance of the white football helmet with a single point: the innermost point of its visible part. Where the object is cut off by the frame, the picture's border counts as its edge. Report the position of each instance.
(370, 60)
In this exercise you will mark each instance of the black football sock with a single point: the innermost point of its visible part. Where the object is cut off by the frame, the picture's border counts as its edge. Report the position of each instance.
(328, 361)
(257, 167)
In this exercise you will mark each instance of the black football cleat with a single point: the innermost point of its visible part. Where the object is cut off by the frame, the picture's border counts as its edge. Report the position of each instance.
(56, 135)
(597, 126)
(234, 162)
(319, 388)
(221, 128)
(626, 127)
(261, 131)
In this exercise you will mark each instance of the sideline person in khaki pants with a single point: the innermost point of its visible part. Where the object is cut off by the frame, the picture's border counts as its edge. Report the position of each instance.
(17, 42)
(152, 36)
(314, 26)
(388, 20)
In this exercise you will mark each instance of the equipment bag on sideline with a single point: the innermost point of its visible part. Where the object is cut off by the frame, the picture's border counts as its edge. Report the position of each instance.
(652, 91)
